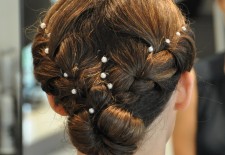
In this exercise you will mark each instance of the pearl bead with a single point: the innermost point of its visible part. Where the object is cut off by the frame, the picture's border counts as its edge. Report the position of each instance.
(74, 91)
(178, 34)
(110, 85)
(43, 25)
(184, 28)
(104, 59)
(103, 75)
(167, 41)
(47, 50)
(150, 49)
(91, 111)
(65, 75)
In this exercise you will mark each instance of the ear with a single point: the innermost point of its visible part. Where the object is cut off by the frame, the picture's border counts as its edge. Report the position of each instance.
(57, 108)
(184, 90)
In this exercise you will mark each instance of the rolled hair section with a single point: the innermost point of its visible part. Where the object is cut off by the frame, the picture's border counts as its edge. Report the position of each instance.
(81, 132)
(115, 132)
(185, 51)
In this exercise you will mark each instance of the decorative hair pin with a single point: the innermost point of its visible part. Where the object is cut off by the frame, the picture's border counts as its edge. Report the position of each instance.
(43, 25)
(103, 75)
(91, 110)
(110, 86)
(178, 33)
(168, 41)
(151, 49)
(74, 91)
(104, 59)
(65, 75)
(47, 51)
(184, 28)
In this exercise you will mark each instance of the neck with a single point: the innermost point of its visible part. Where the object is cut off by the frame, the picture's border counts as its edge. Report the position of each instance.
(155, 139)
(158, 134)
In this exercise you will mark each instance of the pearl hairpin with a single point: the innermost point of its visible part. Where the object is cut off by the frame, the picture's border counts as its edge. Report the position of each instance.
(104, 59)
(178, 33)
(184, 28)
(74, 91)
(151, 49)
(167, 41)
(91, 111)
(110, 85)
(103, 75)
(65, 75)
(43, 25)
(47, 50)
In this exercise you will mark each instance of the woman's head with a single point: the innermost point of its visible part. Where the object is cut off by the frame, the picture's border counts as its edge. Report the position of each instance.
(112, 65)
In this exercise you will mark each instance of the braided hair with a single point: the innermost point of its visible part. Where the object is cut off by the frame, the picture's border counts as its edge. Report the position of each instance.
(112, 65)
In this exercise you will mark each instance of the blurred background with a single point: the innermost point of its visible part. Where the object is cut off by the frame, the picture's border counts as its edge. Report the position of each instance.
(27, 124)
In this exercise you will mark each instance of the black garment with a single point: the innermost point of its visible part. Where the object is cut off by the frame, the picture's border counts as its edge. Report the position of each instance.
(211, 107)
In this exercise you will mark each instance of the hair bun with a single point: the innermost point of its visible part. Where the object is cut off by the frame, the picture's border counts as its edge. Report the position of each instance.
(81, 132)
(116, 132)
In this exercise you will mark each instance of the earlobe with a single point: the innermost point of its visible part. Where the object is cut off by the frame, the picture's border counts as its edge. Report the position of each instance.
(57, 108)
(185, 89)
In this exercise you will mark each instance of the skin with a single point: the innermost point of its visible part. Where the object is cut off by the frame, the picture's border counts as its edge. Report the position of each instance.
(184, 137)
(57, 108)
(161, 129)
(186, 127)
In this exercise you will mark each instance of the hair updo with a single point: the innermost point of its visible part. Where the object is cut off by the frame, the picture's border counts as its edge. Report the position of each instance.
(112, 65)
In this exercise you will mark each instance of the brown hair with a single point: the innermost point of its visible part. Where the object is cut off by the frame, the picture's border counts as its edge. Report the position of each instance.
(82, 32)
